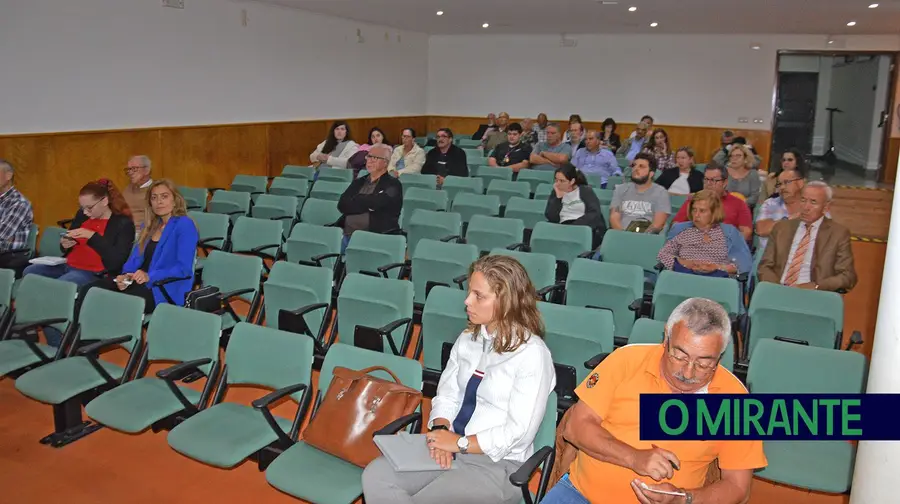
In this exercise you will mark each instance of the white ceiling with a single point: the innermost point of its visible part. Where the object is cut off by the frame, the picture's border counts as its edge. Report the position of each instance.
(591, 16)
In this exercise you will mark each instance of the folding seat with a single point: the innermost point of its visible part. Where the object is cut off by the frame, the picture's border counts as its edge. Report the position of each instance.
(194, 197)
(315, 246)
(468, 143)
(443, 320)
(623, 162)
(39, 302)
(48, 246)
(543, 192)
(615, 180)
(257, 237)
(230, 203)
(289, 186)
(604, 195)
(439, 263)
(310, 474)
(595, 180)
(7, 281)
(320, 212)
(106, 320)
(226, 433)
(507, 189)
(535, 178)
(491, 173)
(376, 254)
(30, 250)
(329, 189)
(528, 211)
(784, 368)
(238, 279)
(672, 288)
(467, 205)
(476, 155)
(375, 313)
(604, 210)
(420, 180)
(335, 174)
(425, 224)
(277, 208)
(488, 233)
(298, 172)
(252, 184)
(639, 249)
(541, 269)
(214, 233)
(615, 287)
(188, 337)
(426, 199)
(543, 457)
(677, 200)
(563, 241)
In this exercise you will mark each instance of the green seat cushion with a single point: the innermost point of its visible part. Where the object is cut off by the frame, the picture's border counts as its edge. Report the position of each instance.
(134, 406)
(59, 381)
(826, 466)
(225, 434)
(15, 354)
(315, 476)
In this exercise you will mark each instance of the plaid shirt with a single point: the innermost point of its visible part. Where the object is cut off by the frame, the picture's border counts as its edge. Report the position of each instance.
(540, 133)
(16, 218)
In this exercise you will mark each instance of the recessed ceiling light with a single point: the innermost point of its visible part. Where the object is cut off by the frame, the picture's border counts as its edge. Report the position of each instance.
(756, 47)
(851, 23)
(440, 13)
(873, 6)
(632, 9)
(831, 42)
(485, 25)
(654, 24)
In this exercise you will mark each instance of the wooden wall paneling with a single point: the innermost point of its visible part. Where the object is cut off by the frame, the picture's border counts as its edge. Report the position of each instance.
(291, 143)
(891, 158)
(861, 303)
(212, 156)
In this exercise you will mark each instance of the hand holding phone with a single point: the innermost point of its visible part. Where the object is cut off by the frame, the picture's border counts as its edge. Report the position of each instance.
(660, 491)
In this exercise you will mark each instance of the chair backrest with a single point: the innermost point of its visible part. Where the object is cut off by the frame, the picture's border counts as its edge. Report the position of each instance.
(647, 332)
(608, 285)
(320, 212)
(541, 268)
(308, 241)
(624, 247)
(426, 199)
(490, 173)
(435, 261)
(562, 241)
(293, 286)
(176, 333)
(227, 202)
(249, 183)
(467, 143)
(576, 334)
(231, 272)
(282, 209)
(426, 224)
(368, 251)
(300, 172)
(475, 154)
(443, 320)
(49, 243)
(39, 298)
(604, 195)
(507, 189)
(543, 191)
(595, 180)
(335, 174)
(528, 211)
(422, 180)
(250, 233)
(348, 356)
(7, 280)
(329, 189)
(807, 315)
(454, 185)
(468, 204)
(536, 178)
(546, 434)
(672, 288)
(287, 186)
(786, 368)
(488, 233)
(31, 242)
(373, 302)
(106, 314)
(264, 356)
(615, 180)
(211, 226)
(194, 197)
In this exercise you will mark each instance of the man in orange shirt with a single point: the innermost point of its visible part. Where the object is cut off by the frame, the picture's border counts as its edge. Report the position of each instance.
(613, 462)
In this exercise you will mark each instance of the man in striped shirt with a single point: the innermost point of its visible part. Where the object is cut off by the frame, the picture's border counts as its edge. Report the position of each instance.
(16, 218)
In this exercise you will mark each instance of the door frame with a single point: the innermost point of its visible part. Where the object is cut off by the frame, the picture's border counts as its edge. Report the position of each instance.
(890, 107)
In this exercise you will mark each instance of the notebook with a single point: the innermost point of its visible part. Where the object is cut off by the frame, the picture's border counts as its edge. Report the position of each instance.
(48, 261)
(407, 452)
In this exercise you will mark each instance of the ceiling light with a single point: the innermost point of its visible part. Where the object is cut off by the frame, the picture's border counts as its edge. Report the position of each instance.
(485, 25)
(851, 23)
(440, 13)
(830, 42)
(756, 47)
(873, 6)
(654, 24)
(632, 9)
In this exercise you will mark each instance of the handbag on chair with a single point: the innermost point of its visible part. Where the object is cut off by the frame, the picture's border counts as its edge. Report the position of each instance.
(355, 406)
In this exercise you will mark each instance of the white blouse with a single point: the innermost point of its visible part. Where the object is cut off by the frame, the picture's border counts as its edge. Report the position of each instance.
(339, 161)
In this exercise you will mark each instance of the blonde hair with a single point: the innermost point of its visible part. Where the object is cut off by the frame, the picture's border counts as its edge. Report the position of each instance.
(516, 315)
(153, 222)
(748, 154)
(715, 205)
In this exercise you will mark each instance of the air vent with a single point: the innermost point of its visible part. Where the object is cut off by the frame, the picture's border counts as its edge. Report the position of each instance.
(176, 4)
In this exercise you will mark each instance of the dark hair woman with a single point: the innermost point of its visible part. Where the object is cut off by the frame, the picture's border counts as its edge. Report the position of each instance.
(337, 148)
(574, 202)
(608, 136)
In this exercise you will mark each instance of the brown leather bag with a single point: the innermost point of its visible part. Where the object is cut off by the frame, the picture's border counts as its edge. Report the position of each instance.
(354, 408)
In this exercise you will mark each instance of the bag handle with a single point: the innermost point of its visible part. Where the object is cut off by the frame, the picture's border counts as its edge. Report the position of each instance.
(381, 368)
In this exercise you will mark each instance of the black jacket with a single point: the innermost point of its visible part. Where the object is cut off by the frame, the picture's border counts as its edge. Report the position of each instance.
(114, 245)
(668, 177)
(383, 205)
(614, 141)
(592, 217)
(456, 163)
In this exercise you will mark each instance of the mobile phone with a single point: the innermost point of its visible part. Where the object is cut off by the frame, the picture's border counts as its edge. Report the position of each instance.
(666, 492)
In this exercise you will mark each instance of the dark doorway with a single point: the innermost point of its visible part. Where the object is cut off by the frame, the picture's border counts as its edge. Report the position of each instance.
(795, 112)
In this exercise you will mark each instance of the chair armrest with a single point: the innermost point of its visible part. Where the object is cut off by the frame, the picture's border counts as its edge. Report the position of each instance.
(451, 238)
(283, 217)
(389, 328)
(319, 258)
(523, 474)
(93, 348)
(240, 292)
(595, 360)
(855, 339)
(166, 281)
(182, 369)
(659, 267)
(792, 340)
(743, 277)
(235, 212)
(265, 401)
(384, 269)
(259, 250)
(395, 231)
(841, 291)
(38, 323)
(558, 286)
(518, 246)
(214, 189)
(460, 280)
(636, 305)
(398, 424)
(206, 241)
(24, 251)
(587, 255)
(64, 223)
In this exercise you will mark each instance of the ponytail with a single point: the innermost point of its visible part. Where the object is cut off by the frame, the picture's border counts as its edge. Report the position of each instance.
(105, 188)
(569, 171)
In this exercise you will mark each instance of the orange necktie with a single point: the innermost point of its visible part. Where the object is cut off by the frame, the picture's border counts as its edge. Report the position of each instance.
(799, 257)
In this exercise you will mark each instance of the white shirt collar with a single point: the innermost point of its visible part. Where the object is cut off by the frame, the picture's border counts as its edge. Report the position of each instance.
(146, 184)
(815, 225)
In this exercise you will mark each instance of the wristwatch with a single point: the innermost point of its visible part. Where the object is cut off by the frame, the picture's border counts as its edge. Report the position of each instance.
(688, 498)
(463, 444)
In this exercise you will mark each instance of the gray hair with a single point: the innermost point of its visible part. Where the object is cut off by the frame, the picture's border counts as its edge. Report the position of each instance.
(595, 132)
(7, 166)
(553, 125)
(144, 160)
(829, 192)
(388, 150)
(702, 317)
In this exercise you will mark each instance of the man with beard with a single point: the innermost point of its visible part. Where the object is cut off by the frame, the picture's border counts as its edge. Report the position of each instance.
(640, 205)
(446, 158)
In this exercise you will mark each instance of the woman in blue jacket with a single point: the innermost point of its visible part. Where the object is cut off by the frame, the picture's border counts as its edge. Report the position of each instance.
(166, 248)
(705, 245)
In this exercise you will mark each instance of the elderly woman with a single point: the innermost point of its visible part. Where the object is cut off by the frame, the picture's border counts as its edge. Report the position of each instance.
(408, 157)
(684, 180)
(658, 146)
(336, 149)
(705, 245)
(743, 178)
(490, 400)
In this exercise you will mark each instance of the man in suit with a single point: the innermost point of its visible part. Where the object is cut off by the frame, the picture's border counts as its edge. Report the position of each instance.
(812, 252)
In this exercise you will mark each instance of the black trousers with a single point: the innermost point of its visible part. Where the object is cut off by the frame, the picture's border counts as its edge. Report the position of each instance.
(141, 291)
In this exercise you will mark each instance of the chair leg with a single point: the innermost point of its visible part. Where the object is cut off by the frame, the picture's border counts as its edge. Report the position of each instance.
(68, 424)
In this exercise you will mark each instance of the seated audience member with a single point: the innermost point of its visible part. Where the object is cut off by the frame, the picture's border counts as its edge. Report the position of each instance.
(372, 203)
(16, 218)
(496, 135)
(573, 119)
(610, 139)
(135, 193)
(376, 137)
(446, 158)
(529, 137)
(575, 137)
(646, 121)
(658, 147)
(483, 428)
(574, 202)
(704, 245)
(684, 180)
(166, 248)
(785, 205)
(337, 148)
(737, 213)
(513, 153)
(408, 157)
(611, 461)
(742, 177)
(812, 252)
(358, 160)
(540, 128)
(634, 144)
(640, 205)
(726, 140)
(723, 155)
(551, 154)
(484, 128)
(792, 159)
(594, 158)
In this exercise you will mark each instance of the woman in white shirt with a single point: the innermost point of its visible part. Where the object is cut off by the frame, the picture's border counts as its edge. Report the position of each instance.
(490, 400)
(409, 157)
(336, 149)
(574, 202)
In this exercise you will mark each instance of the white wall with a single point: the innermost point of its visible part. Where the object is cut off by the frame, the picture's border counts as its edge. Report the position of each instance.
(852, 91)
(107, 64)
(823, 101)
(695, 80)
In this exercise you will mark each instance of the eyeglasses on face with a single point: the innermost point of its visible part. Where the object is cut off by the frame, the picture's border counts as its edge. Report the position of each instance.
(780, 183)
(131, 169)
(369, 156)
(88, 208)
(702, 365)
(713, 180)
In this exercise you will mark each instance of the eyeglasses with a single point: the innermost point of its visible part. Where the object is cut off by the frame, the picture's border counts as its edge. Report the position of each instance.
(705, 365)
(713, 180)
(779, 183)
(369, 156)
(86, 209)
(443, 136)
(131, 169)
